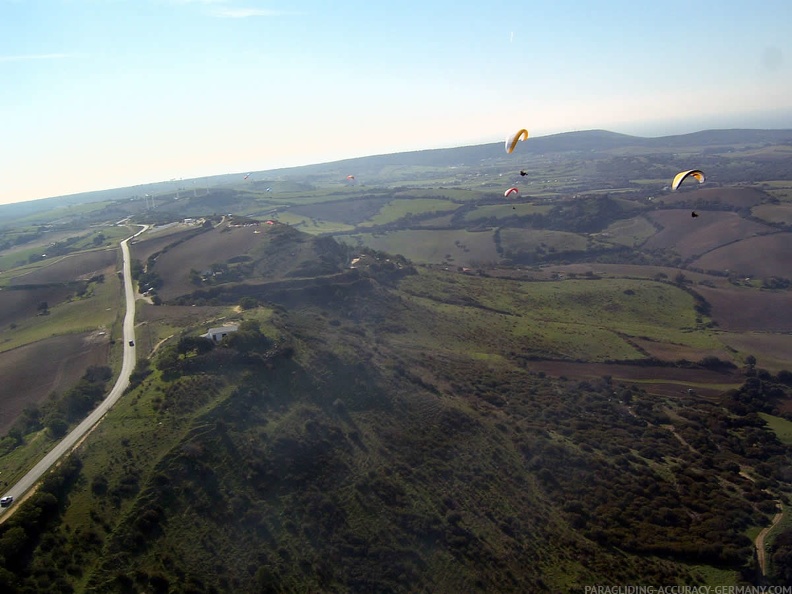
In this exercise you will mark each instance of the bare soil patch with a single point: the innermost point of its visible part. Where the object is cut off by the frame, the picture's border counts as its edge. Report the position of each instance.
(215, 246)
(745, 310)
(350, 212)
(18, 304)
(736, 197)
(661, 381)
(68, 268)
(31, 372)
(689, 236)
(772, 351)
(141, 249)
(666, 351)
(178, 315)
(765, 256)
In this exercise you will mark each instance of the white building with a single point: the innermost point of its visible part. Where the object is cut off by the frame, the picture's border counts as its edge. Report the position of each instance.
(218, 334)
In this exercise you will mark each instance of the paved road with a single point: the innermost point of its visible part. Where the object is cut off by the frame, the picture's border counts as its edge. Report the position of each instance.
(68, 442)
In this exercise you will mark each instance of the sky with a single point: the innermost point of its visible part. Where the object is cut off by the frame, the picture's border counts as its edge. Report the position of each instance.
(99, 94)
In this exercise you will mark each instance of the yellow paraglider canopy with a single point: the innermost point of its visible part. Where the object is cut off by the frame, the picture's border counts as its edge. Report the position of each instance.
(683, 175)
(512, 140)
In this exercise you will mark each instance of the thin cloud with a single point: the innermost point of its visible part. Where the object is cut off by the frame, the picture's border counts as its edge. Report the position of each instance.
(224, 9)
(243, 13)
(25, 57)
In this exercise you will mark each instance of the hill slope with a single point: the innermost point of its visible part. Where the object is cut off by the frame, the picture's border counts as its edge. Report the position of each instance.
(366, 431)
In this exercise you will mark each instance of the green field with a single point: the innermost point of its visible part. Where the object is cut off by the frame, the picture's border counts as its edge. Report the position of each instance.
(460, 195)
(18, 257)
(441, 221)
(531, 240)
(506, 210)
(574, 319)
(781, 190)
(460, 248)
(629, 232)
(99, 309)
(18, 461)
(309, 225)
(774, 213)
(397, 209)
(781, 427)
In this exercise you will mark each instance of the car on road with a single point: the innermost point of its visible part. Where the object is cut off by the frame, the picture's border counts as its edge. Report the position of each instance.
(131, 343)
(6, 501)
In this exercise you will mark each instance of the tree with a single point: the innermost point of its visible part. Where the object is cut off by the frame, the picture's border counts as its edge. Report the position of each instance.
(250, 326)
(57, 426)
(142, 371)
(785, 377)
(248, 303)
(248, 338)
(199, 344)
(782, 557)
(168, 359)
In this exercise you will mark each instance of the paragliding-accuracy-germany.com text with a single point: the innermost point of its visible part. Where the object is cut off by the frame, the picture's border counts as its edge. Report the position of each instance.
(687, 590)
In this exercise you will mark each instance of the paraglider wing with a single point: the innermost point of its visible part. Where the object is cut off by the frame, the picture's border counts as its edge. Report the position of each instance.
(511, 192)
(512, 140)
(247, 176)
(350, 177)
(683, 175)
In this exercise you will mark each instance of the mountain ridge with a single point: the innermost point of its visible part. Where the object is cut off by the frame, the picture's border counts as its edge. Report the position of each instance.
(582, 140)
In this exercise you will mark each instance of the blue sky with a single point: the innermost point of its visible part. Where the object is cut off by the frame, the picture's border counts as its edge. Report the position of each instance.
(96, 94)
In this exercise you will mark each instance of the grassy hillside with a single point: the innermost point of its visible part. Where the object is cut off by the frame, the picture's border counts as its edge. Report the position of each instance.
(433, 388)
(388, 430)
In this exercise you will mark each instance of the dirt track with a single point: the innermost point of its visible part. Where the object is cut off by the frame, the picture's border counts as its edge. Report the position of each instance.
(760, 543)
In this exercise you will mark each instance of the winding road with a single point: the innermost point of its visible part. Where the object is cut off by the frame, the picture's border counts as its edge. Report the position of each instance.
(65, 446)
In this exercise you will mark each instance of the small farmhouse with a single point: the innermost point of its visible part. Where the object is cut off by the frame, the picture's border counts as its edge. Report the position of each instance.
(218, 334)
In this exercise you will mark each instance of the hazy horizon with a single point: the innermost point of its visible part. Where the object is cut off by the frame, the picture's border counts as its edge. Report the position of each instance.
(109, 94)
(671, 128)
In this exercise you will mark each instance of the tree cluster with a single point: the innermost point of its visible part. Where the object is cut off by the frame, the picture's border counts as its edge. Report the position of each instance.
(34, 527)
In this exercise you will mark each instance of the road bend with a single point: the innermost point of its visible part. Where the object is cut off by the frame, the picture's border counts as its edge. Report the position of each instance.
(18, 490)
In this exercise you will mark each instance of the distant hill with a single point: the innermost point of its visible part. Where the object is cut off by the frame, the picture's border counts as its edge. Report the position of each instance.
(723, 138)
(586, 140)
(580, 141)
